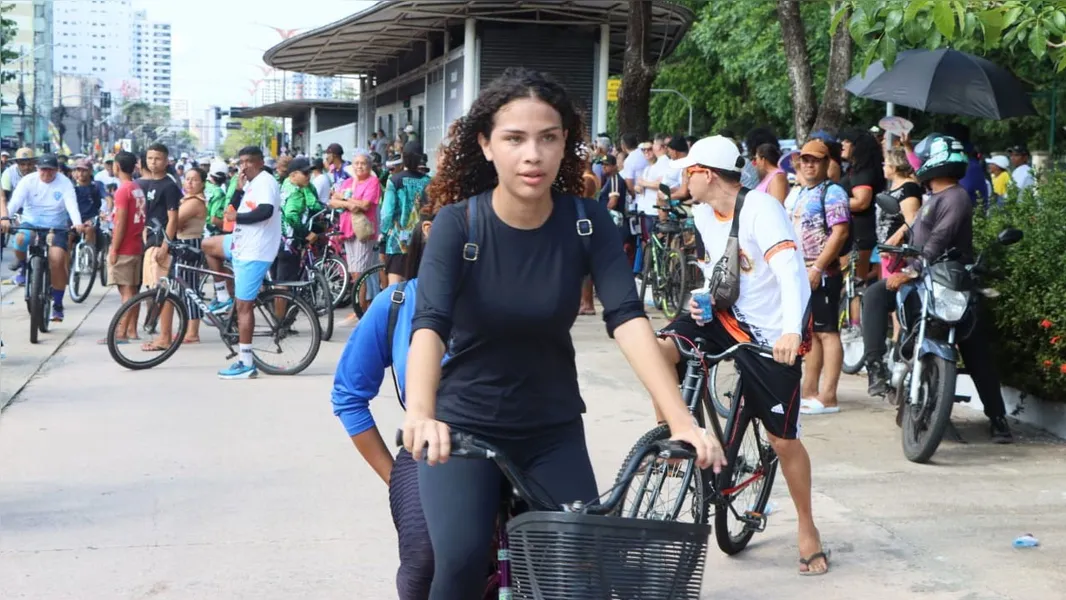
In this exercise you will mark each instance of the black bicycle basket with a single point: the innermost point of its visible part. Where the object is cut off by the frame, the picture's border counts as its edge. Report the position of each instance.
(574, 556)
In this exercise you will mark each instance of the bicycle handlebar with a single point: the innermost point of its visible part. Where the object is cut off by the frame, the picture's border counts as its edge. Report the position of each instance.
(464, 445)
(904, 250)
(698, 354)
(673, 210)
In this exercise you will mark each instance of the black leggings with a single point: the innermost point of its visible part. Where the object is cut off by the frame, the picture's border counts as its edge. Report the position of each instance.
(878, 302)
(416, 554)
(461, 499)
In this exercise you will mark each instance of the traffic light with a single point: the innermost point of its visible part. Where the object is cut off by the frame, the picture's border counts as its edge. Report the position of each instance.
(105, 100)
(218, 114)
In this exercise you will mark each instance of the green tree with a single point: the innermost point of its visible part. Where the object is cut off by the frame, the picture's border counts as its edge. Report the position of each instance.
(8, 30)
(884, 27)
(252, 133)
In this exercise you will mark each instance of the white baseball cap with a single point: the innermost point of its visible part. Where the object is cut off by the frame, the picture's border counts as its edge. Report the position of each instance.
(716, 151)
(1001, 161)
(218, 167)
(409, 129)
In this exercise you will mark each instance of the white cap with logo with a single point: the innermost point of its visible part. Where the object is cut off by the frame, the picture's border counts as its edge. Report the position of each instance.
(716, 151)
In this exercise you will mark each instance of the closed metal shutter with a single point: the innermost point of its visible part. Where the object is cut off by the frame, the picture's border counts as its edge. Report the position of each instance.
(568, 55)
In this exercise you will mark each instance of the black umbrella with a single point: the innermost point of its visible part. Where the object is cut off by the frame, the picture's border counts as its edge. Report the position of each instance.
(945, 81)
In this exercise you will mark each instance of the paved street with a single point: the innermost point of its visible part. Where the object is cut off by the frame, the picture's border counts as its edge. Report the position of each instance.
(170, 483)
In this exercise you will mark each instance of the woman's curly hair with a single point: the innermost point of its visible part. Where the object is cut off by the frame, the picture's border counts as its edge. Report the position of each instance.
(463, 170)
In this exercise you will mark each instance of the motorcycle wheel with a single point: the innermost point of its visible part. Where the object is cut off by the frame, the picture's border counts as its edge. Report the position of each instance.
(923, 424)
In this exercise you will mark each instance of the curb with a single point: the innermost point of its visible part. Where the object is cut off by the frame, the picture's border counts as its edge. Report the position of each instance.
(1026, 408)
(62, 343)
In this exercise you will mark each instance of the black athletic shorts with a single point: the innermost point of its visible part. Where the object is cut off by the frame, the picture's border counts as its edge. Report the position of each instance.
(396, 264)
(286, 267)
(825, 304)
(769, 388)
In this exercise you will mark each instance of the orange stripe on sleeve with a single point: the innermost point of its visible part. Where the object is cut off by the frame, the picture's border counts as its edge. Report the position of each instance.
(779, 247)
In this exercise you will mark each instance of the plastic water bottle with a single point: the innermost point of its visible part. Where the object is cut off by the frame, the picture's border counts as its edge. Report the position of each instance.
(1026, 541)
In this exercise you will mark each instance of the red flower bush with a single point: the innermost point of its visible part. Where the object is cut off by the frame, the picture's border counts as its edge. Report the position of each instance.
(1046, 324)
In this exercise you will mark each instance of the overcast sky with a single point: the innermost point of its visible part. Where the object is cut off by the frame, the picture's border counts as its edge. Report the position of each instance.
(218, 45)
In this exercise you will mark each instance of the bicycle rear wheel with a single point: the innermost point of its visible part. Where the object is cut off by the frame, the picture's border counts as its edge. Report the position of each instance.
(336, 272)
(723, 386)
(648, 496)
(105, 249)
(366, 280)
(744, 486)
(321, 298)
(288, 345)
(674, 290)
(851, 338)
(145, 308)
(82, 272)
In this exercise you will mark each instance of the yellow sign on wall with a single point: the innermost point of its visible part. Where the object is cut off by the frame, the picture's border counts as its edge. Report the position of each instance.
(613, 85)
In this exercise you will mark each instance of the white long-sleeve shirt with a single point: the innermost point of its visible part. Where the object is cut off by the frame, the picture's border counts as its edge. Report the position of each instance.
(52, 205)
(774, 291)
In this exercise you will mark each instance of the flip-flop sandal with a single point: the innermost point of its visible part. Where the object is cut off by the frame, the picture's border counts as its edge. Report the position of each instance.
(191, 341)
(151, 347)
(815, 407)
(806, 562)
(103, 342)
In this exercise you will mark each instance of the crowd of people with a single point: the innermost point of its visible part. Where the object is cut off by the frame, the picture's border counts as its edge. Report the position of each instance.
(489, 262)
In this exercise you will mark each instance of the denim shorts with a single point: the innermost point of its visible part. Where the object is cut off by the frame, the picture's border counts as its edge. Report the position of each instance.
(59, 240)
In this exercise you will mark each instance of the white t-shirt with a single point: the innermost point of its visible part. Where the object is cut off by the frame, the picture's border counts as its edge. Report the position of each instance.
(45, 204)
(634, 165)
(105, 178)
(322, 187)
(259, 241)
(661, 170)
(1023, 177)
(774, 292)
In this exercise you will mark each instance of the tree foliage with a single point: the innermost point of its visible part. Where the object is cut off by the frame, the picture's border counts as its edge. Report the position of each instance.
(8, 30)
(252, 133)
(884, 27)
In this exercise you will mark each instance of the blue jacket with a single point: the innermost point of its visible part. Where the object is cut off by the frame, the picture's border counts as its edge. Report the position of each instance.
(362, 366)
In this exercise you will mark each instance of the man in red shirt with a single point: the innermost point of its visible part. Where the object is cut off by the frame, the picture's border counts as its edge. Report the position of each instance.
(127, 244)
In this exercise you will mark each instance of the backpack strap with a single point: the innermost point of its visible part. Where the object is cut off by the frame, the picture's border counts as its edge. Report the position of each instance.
(471, 250)
(395, 303)
(734, 231)
(584, 228)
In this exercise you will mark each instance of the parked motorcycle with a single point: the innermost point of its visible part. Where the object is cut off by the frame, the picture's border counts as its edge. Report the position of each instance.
(934, 311)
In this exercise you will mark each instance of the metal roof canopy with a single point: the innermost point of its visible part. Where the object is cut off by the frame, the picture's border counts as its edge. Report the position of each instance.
(291, 109)
(368, 40)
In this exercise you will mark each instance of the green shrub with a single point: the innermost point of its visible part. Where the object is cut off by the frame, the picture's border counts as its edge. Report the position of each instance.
(1029, 340)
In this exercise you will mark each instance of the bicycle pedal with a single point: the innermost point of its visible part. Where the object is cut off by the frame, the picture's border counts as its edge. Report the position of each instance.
(754, 521)
(231, 355)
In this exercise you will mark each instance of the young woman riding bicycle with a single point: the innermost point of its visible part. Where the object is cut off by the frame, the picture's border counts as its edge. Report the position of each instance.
(499, 290)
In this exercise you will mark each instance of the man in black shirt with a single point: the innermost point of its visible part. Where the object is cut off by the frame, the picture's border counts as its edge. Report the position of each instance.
(162, 197)
(945, 221)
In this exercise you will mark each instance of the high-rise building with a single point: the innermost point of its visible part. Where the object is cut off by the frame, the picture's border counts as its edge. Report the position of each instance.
(269, 91)
(151, 58)
(29, 94)
(89, 40)
(299, 86)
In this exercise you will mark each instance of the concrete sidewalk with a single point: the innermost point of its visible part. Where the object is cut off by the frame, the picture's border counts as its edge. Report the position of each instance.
(170, 483)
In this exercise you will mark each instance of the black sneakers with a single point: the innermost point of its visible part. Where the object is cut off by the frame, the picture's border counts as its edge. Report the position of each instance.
(1000, 430)
(878, 379)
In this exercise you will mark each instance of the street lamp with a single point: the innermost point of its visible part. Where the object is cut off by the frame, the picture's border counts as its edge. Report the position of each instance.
(683, 97)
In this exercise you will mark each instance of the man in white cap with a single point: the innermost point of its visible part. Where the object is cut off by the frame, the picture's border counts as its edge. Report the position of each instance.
(410, 134)
(769, 311)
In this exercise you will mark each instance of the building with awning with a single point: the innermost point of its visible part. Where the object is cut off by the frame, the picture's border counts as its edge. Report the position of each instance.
(314, 122)
(422, 63)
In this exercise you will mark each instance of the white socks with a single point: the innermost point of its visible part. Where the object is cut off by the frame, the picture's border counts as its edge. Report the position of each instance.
(246, 355)
(221, 293)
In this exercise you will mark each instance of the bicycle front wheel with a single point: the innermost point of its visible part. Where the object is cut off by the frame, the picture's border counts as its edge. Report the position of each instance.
(286, 341)
(744, 486)
(105, 249)
(674, 291)
(35, 301)
(663, 490)
(82, 272)
(336, 272)
(149, 307)
(851, 338)
(322, 299)
(723, 380)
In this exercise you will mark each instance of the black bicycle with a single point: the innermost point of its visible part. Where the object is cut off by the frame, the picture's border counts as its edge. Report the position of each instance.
(84, 261)
(286, 326)
(739, 493)
(544, 551)
(318, 294)
(39, 276)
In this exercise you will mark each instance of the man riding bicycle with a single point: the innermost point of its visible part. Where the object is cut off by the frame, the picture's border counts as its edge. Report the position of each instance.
(770, 310)
(47, 201)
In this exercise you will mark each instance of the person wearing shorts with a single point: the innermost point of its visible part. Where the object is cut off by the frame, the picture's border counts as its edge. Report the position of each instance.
(770, 310)
(821, 219)
(252, 247)
(127, 243)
